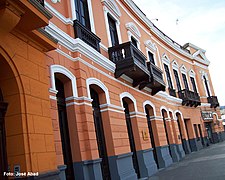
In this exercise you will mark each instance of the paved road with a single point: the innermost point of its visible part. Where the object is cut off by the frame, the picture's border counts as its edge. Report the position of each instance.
(206, 164)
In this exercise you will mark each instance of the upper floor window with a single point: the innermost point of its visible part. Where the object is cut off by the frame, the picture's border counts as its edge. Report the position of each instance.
(177, 80)
(151, 57)
(168, 76)
(193, 84)
(134, 41)
(82, 13)
(185, 81)
(113, 31)
(206, 86)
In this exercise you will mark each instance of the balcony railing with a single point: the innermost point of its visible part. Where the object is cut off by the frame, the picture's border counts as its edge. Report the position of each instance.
(172, 92)
(189, 98)
(156, 82)
(129, 61)
(41, 2)
(86, 35)
(213, 101)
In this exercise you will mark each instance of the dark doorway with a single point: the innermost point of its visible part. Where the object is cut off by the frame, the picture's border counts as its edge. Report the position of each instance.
(64, 130)
(180, 131)
(165, 127)
(131, 137)
(100, 135)
(148, 114)
(3, 154)
(208, 127)
(200, 132)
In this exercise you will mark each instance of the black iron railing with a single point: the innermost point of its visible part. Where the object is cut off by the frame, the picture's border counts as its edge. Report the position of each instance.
(41, 2)
(189, 98)
(213, 101)
(129, 61)
(86, 35)
(172, 92)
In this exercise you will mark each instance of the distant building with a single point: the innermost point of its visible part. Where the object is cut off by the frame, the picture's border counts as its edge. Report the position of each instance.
(92, 89)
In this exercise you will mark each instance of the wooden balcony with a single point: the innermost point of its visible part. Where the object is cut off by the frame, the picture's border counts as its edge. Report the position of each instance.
(172, 92)
(189, 98)
(213, 101)
(86, 35)
(130, 61)
(156, 82)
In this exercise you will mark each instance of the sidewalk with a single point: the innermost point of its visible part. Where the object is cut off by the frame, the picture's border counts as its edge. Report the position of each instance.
(206, 164)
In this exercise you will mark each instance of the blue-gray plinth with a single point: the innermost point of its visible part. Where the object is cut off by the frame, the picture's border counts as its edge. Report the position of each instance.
(180, 151)
(146, 163)
(186, 146)
(62, 174)
(215, 137)
(223, 135)
(88, 170)
(220, 137)
(193, 144)
(206, 141)
(121, 167)
(163, 156)
(174, 153)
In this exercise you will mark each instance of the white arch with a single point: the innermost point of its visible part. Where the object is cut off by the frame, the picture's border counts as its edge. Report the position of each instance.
(164, 108)
(128, 95)
(61, 69)
(165, 59)
(177, 111)
(175, 64)
(133, 29)
(147, 102)
(99, 83)
(217, 118)
(183, 69)
(112, 6)
(150, 45)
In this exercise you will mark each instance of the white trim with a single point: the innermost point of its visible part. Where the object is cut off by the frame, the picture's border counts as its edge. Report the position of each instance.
(167, 98)
(183, 70)
(78, 104)
(147, 102)
(137, 40)
(164, 108)
(128, 95)
(175, 66)
(83, 98)
(116, 18)
(181, 114)
(61, 69)
(203, 73)
(112, 7)
(111, 106)
(52, 97)
(133, 29)
(217, 118)
(166, 60)
(193, 75)
(91, 16)
(100, 84)
(58, 14)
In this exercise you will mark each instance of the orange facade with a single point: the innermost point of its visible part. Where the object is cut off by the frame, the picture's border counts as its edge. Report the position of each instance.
(93, 90)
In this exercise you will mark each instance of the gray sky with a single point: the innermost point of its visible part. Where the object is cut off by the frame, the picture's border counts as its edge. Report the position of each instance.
(200, 22)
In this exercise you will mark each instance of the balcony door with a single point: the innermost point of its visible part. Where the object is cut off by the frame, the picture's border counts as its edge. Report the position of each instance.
(131, 137)
(100, 135)
(185, 81)
(64, 130)
(113, 31)
(3, 154)
(82, 13)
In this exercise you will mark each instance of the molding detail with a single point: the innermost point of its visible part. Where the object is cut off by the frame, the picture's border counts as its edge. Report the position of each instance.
(133, 29)
(128, 95)
(112, 6)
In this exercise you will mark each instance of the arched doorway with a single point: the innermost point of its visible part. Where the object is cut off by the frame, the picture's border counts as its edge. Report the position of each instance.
(165, 116)
(63, 125)
(3, 154)
(97, 95)
(150, 113)
(128, 106)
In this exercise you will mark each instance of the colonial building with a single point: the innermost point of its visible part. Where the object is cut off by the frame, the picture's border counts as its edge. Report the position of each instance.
(92, 89)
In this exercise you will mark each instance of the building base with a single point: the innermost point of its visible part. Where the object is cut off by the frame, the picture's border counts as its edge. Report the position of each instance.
(146, 163)
(163, 156)
(186, 146)
(180, 151)
(174, 153)
(215, 137)
(223, 135)
(121, 167)
(88, 170)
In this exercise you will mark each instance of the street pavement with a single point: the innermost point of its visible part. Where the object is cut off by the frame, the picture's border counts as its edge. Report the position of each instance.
(206, 164)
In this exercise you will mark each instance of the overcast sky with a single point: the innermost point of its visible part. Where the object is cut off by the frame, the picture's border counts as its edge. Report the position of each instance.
(200, 22)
